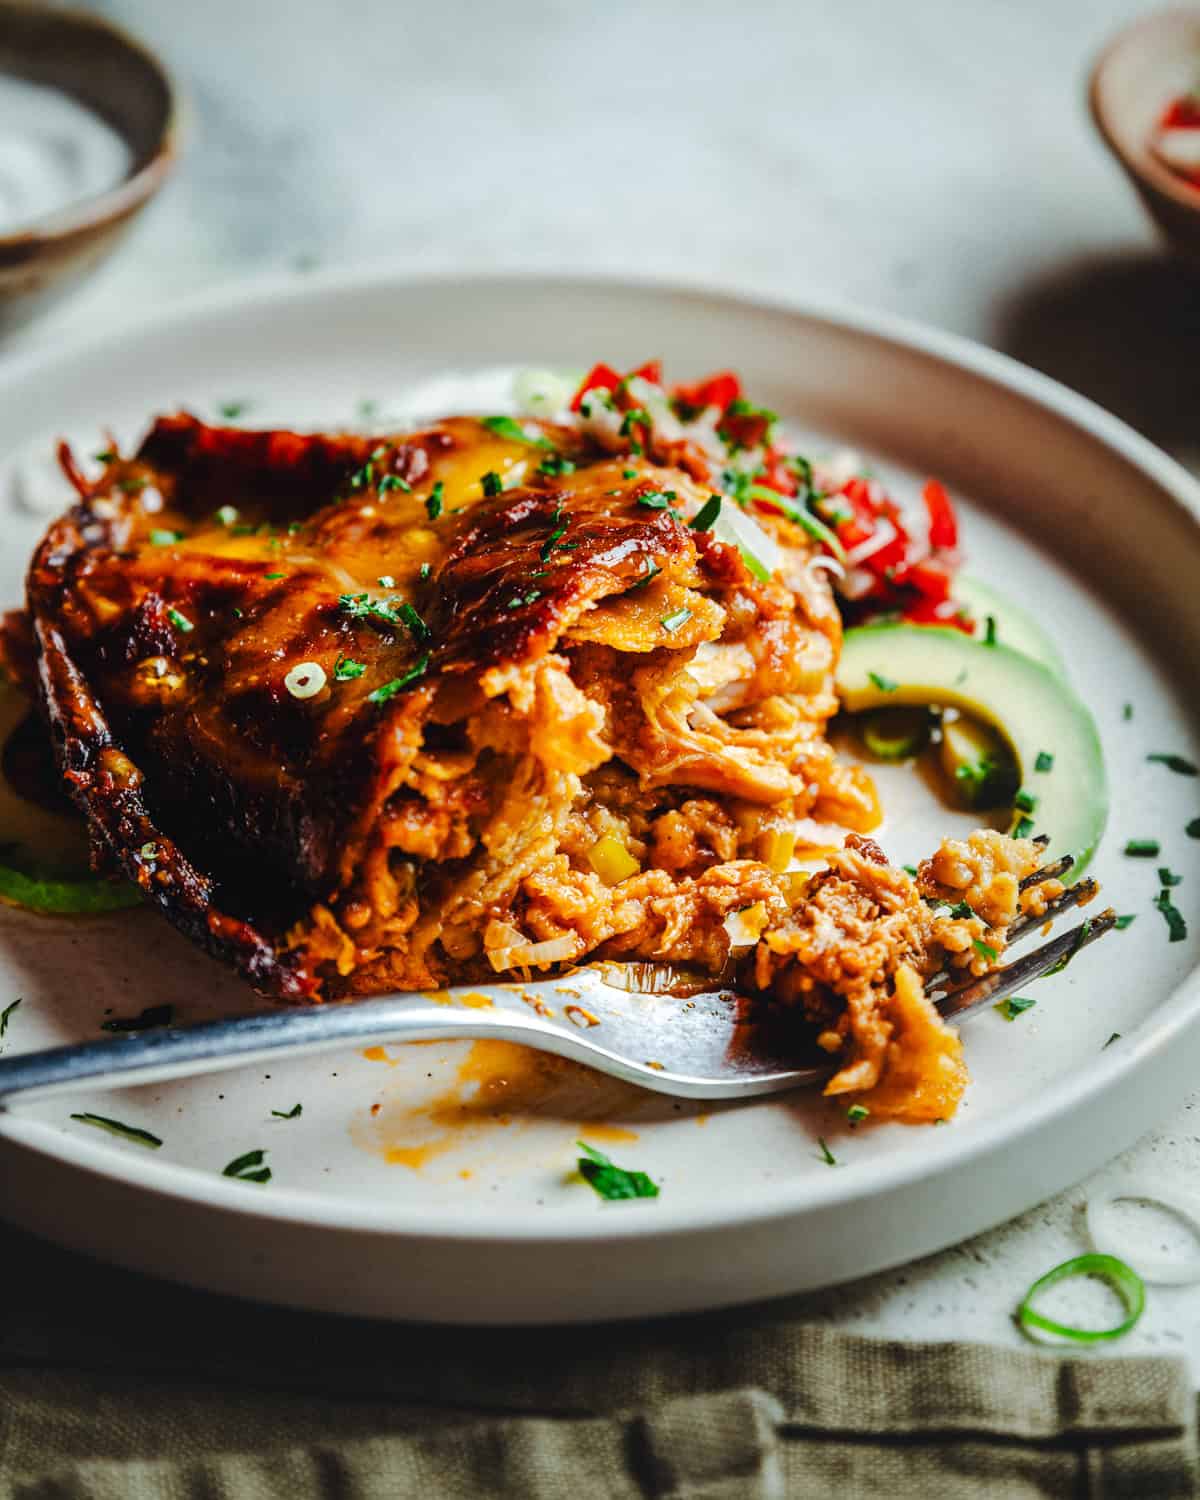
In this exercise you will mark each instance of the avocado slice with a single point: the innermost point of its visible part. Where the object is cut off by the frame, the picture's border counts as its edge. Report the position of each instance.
(891, 665)
(1015, 627)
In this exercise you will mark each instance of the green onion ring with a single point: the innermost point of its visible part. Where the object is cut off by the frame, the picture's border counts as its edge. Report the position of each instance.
(66, 897)
(816, 528)
(1123, 1279)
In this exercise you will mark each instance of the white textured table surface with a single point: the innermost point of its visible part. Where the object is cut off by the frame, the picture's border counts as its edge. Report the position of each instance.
(931, 158)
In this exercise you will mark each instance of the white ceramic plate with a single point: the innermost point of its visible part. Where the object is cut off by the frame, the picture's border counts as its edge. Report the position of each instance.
(437, 1183)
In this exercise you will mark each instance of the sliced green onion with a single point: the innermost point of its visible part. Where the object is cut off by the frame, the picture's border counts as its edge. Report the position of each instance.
(676, 618)
(1044, 761)
(895, 733)
(816, 528)
(1176, 926)
(1168, 877)
(1126, 921)
(827, 1155)
(707, 514)
(1142, 848)
(1022, 828)
(984, 950)
(1125, 1281)
(1026, 801)
(857, 1113)
(884, 684)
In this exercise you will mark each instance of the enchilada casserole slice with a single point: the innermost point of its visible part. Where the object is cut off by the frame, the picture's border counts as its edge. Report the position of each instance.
(366, 714)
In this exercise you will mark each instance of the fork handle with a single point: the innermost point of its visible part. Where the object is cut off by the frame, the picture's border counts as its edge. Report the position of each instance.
(210, 1046)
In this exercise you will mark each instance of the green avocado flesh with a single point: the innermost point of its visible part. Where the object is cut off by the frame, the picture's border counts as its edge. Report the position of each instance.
(1014, 628)
(1033, 709)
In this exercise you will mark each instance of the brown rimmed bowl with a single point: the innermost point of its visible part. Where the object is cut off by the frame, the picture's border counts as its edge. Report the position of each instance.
(118, 78)
(1137, 74)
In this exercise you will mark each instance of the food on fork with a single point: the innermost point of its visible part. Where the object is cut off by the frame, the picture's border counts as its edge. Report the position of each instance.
(501, 695)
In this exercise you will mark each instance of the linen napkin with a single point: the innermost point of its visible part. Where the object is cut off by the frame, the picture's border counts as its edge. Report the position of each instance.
(119, 1387)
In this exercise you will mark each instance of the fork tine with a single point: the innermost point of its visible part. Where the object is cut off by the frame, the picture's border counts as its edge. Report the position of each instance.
(1074, 895)
(1051, 871)
(1001, 983)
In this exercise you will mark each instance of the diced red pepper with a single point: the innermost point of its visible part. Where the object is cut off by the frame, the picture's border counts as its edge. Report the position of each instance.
(651, 371)
(714, 390)
(947, 613)
(776, 476)
(930, 578)
(1182, 114)
(597, 377)
(943, 523)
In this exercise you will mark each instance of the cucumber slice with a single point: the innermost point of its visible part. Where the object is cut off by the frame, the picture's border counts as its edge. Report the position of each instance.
(885, 666)
(1015, 628)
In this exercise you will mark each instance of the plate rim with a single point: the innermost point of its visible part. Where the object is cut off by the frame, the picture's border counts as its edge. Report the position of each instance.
(970, 1144)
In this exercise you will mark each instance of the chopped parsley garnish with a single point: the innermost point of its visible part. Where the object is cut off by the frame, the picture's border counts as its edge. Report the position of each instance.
(884, 684)
(115, 1127)
(6, 1014)
(161, 538)
(1142, 848)
(658, 499)
(491, 483)
(425, 571)
(180, 621)
(231, 410)
(1044, 761)
(1126, 921)
(289, 1114)
(433, 505)
(346, 669)
(1167, 877)
(635, 417)
(556, 536)
(531, 596)
(909, 870)
(985, 950)
(270, 577)
(827, 1155)
(394, 482)
(1011, 1008)
(1024, 827)
(248, 1168)
(629, 473)
(857, 1113)
(1127, 712)
(418, 629)
(147, 1020)
(1080, 938)
(505, 427)
(676, 618)
(386, 581)
(1176, 926)
(652, 570)
(707, 514)
(363, 477)
(555, 464)
(609, 1180)
(1025, 801)
(105, 456)
(1177, 764)
(1116, 1037)
(961, 911)
(390, 689)
(989, 631)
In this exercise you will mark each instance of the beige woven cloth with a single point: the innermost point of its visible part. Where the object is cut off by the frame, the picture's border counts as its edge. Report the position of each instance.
(116, 1387)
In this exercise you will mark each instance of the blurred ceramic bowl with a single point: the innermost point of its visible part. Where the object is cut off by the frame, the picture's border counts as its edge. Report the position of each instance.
(98, 66)
(1141, 70)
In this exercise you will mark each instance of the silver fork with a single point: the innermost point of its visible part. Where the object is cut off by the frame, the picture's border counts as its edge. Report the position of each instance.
(708, 1045)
